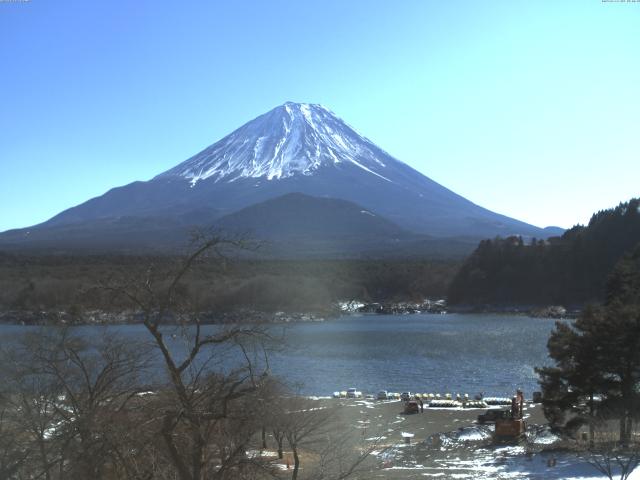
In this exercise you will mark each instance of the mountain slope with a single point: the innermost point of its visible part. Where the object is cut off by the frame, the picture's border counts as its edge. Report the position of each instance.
(292, 148)
(296, 215)
(297, 225)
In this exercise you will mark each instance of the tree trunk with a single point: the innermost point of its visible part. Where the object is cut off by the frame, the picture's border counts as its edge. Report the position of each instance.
(45, 460)
(279, 440)
(623, 428)
(196, 458)
(296, 463)
(174, 455)
(627, 405)
(628, 429)
(264, 438)
(591, 420)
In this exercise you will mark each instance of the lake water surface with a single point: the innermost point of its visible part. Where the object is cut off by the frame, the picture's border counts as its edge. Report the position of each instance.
(454, 353)
(422, 353)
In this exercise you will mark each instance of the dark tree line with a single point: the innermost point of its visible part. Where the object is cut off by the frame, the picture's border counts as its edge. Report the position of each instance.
(595, 379)
(568, 270)
(60, 283)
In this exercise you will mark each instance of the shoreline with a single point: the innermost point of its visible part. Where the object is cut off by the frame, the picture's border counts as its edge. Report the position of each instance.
(128, 317)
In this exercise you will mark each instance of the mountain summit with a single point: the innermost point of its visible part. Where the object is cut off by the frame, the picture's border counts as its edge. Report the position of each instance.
(294, 148)
(292, 139)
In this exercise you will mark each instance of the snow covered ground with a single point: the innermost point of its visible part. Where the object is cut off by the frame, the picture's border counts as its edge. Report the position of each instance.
(511, 463)
(468, 454)
(464, 451)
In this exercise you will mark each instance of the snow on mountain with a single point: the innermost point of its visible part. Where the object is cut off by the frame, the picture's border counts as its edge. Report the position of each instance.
(292, 139)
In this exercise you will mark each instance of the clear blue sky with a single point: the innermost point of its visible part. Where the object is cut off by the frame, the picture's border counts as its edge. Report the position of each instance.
(529, 108)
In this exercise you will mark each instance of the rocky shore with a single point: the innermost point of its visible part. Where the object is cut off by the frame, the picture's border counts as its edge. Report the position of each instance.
(394, 308)
(101, 317)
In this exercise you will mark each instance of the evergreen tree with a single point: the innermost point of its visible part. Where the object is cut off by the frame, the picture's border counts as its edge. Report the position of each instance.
(573, 384)
(598, 357)
(621, 339)
(570, 270)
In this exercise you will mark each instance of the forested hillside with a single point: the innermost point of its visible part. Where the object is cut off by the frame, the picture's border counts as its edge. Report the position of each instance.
(570, 270)
(45, 283)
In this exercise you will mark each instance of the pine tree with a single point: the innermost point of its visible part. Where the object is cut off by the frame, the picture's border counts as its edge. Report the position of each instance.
(598, 357)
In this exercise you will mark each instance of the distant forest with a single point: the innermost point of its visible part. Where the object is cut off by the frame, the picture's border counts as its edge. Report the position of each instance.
(570, 270)
(77, 283)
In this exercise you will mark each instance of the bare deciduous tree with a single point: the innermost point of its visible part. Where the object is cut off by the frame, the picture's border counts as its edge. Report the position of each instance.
(322, 446)
(190, 401)
(67, 395)
(213, 374)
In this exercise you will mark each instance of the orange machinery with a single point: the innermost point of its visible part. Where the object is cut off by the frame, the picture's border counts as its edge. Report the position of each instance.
(511, 427)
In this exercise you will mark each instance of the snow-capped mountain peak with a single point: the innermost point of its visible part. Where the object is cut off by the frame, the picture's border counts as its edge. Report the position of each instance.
(295, 149)
(292, 139)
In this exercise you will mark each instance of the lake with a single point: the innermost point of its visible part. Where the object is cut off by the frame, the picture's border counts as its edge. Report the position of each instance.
(454, 353)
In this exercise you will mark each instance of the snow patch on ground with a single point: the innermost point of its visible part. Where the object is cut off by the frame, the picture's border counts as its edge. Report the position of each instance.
(450, 456)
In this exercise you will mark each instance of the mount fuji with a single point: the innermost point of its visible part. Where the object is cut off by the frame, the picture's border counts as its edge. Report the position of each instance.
(294, 148)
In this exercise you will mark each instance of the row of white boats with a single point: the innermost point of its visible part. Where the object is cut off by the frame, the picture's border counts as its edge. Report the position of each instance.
(447, 400)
